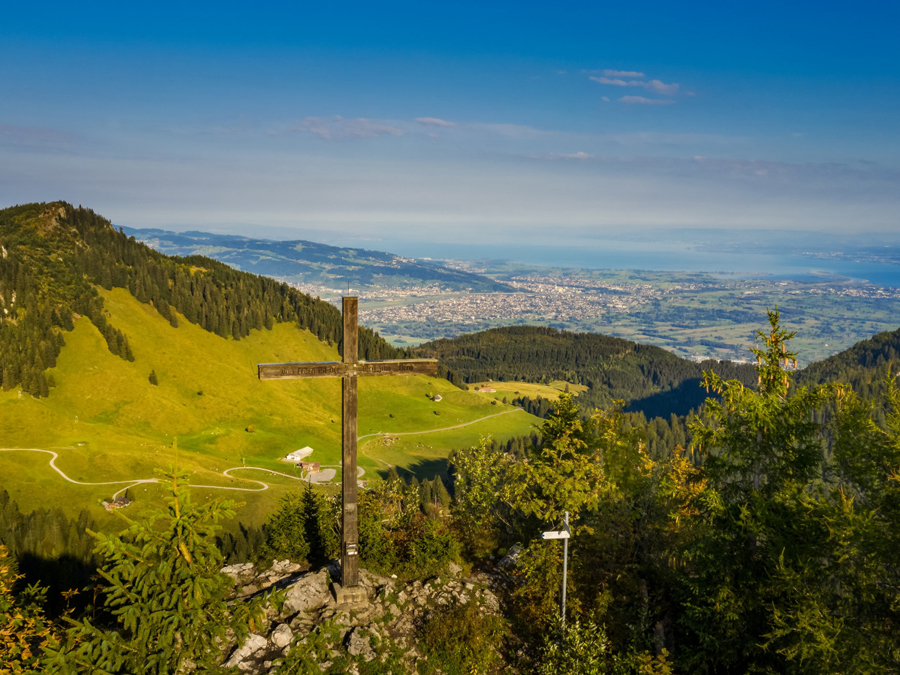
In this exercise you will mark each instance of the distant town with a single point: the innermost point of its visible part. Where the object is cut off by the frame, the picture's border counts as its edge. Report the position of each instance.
(695, 315)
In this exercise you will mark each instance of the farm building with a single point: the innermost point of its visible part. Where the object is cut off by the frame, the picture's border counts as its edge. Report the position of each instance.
(299, 455)
(310, 467)
(119, 502)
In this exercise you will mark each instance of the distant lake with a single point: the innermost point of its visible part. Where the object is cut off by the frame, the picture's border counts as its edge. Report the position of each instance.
(629, 255)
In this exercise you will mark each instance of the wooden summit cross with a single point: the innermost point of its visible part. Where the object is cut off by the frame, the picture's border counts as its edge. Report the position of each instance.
(348, 370)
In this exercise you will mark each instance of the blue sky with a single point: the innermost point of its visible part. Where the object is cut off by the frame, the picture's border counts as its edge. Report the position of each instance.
(465, 122)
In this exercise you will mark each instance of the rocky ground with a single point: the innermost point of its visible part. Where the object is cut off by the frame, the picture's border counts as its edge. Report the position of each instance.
(306, 629)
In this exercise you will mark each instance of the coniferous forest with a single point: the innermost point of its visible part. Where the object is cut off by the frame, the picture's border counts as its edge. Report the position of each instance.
(648, 379)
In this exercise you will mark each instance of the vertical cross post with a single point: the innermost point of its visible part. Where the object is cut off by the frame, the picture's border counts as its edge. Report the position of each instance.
(348, 592)
(349, 517)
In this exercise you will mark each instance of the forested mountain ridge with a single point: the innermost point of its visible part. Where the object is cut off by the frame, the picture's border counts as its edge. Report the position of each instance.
(863, 365)
(53, 256)
(308, 262)
(649, 379)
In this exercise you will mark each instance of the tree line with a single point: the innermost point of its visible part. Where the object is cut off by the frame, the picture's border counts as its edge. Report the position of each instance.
(54, 257)
(647, 378)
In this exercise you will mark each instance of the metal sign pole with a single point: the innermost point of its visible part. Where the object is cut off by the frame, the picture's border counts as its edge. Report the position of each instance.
(565, 571)
(563, 534)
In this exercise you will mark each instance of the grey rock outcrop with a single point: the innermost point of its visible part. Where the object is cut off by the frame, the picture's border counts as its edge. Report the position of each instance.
(252, 645)
(304, 612)
(309, 592)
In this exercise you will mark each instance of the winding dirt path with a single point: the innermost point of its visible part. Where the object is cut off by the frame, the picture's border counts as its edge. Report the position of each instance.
(433, 431)
(227, 472)
(127, 483)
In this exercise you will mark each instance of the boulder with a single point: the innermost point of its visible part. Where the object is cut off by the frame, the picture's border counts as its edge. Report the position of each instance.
(283, 567)
(252, 645)
(358, 645)
(240, 574)
(282, 636)
(309, 592)
(511, 559)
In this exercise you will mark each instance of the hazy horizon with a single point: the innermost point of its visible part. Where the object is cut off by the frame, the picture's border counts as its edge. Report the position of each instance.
(477, 123)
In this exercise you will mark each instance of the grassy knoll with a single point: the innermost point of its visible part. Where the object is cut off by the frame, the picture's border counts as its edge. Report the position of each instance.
(109, 423)
(424, 454)
(510, 390)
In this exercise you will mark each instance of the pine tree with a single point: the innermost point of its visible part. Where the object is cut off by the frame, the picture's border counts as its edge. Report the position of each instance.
(441, 495)
(126, 349)
(427, 499)
(43, 389)
(286, 530)
(164, 596)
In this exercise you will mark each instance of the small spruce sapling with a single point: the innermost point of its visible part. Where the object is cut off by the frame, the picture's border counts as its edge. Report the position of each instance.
(164, 597)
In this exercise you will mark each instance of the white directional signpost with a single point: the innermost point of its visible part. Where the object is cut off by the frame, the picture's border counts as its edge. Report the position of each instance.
(563, 534)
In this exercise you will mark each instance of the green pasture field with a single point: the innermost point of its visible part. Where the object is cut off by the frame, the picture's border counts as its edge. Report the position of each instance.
(510, 390)
(107, 422)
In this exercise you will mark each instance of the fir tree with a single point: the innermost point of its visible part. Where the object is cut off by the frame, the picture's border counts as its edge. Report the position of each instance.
(286, 530)
(164, 595)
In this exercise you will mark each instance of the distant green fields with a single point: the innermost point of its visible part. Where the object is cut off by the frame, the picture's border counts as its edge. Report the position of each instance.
(692, 314)
(510, 390)
(109, 423)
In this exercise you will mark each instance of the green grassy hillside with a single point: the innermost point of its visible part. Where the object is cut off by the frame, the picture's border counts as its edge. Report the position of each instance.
(107, 421)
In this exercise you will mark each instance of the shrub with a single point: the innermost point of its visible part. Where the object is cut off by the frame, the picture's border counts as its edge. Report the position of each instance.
(24, 631)
(434, 549)
(462, 639)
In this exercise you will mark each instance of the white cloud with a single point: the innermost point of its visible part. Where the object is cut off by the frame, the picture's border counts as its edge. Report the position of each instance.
(435, 122)
(622, 73)
(339, 129)
(656, 86)
(667, 139)
(564, 155)
(643, 100)
(615, 82)
(516, 131)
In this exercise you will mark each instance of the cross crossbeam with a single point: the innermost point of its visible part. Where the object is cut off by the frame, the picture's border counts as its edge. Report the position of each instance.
(348, 370)
(293, 371)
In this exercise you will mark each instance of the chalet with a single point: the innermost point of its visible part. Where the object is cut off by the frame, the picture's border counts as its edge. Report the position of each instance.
(119, 502)
(437, 398)
(310, 467)
(488, 390)
(299, 455)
